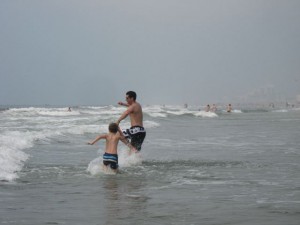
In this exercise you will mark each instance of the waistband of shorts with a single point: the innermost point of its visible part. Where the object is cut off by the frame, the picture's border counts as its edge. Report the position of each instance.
(142, 128)
(108, 154)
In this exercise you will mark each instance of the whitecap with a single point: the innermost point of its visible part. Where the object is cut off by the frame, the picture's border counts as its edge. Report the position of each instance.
(150, 124)
(12, 157)
(83, 129)
(179, 112)
(157, 114)
(280, 110)
(206, 114)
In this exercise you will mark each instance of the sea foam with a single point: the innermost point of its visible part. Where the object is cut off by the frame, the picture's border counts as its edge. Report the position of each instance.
(12, 157)
(125, 158)
(206, 114)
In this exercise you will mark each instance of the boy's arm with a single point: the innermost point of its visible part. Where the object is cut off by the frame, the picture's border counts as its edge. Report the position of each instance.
(103, 136)
(125, 141)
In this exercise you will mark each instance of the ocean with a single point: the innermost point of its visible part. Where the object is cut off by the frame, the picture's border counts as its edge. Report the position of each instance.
(194, 168)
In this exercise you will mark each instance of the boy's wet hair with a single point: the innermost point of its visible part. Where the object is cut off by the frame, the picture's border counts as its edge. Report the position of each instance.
(113, 127)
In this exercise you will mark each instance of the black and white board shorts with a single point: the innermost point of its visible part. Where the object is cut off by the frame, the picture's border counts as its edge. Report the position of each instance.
(136, 134)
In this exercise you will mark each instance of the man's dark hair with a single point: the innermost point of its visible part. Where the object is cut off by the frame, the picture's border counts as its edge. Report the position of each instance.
(131, 94)
(113, 127)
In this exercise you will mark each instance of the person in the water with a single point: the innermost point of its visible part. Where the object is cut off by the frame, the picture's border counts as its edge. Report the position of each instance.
(110, 157)
(136, 133)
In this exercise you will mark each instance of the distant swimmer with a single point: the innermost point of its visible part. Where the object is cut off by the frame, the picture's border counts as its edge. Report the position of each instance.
(229, 108)
(110, 157)
(287, 104)
(136, 133)
(207, 108)
(69, 109)
(185, 105)
(213, 108)
(271, 105)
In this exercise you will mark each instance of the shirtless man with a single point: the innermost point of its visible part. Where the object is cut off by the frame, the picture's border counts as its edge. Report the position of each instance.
(207, 109)
(136, 133)
(213, 108)
(229, 108)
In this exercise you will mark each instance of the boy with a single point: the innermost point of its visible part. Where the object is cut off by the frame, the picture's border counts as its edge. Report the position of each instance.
(110, 157)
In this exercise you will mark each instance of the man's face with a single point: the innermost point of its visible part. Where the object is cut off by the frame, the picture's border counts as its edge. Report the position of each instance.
(129, 100)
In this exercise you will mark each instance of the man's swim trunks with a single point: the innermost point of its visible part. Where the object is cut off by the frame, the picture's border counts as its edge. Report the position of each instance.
(111, 160)
(137, 135)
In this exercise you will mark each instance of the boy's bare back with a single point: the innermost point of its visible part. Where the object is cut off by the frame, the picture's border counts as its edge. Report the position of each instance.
(112, 141)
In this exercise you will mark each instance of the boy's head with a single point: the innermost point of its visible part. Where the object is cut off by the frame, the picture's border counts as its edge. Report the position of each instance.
(113, 128)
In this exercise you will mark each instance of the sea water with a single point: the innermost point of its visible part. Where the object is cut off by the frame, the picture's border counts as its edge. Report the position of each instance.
(194, 168)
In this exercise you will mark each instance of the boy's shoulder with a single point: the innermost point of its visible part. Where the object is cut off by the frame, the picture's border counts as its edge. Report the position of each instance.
(113, 134)
(105, 135)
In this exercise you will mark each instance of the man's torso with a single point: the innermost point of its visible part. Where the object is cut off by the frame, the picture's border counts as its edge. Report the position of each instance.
(136, 116)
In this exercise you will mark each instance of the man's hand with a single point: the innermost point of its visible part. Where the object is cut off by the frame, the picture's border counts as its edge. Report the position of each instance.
(134, 150)
(123, 104)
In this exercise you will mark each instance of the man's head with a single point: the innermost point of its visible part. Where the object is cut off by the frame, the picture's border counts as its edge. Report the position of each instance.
(130, 97)
(113, 128)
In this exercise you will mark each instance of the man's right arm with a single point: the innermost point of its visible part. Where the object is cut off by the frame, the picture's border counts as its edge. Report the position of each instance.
(123, 104)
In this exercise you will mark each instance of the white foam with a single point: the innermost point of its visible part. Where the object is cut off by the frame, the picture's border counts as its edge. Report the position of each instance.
(12, 157)
(153, 108)
(33, 111)
(281, 110)
(82, 129)
(95, 166)
(157, 114)
(295, 109)
(179, 112)
(150, 124)
(128, 160)
(155, 111)
(159, 111)
(57, 113)
(232, 111)
(206, 114)
(147, 124)
(164, 111)
(95, 107)
(237, 111)
(125, 159)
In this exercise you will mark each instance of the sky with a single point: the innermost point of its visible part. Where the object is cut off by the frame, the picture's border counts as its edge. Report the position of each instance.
(74, 52)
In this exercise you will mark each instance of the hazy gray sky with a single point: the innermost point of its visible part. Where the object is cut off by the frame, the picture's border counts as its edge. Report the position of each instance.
(71, 52)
